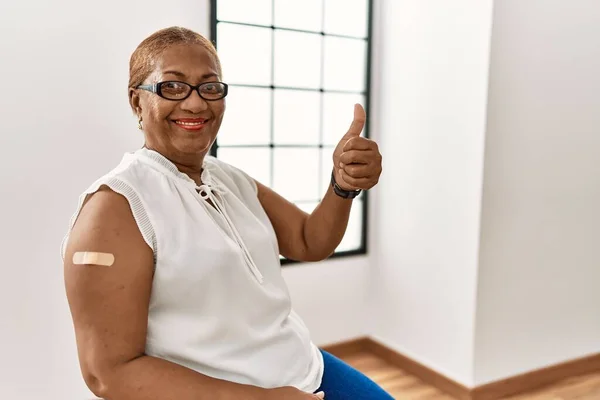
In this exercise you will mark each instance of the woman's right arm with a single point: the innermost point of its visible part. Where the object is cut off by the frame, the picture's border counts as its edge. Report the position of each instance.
(109, 306)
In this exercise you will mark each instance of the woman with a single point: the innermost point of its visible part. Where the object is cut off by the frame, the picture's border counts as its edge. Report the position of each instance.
(172, 260)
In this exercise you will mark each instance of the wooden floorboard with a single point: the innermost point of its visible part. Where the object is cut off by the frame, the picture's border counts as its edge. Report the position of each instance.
(404, 386)
(395, 381)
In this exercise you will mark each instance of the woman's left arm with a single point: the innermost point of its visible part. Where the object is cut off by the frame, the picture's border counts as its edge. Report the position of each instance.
(315, 236)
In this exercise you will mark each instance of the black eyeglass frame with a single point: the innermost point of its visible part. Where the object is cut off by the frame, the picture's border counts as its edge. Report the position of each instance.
(157, 89)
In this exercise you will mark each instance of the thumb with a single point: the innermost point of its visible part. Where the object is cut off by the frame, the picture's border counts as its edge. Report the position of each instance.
(358, 123)
(320, 395)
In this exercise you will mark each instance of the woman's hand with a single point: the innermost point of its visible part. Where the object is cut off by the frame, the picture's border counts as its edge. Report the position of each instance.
(356, 160)
(291, 393)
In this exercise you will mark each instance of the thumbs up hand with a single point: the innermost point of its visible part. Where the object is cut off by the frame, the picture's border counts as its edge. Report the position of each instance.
(356, 160)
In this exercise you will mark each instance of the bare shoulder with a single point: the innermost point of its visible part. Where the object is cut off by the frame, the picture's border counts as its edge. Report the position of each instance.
(106, 225)
(105, 221)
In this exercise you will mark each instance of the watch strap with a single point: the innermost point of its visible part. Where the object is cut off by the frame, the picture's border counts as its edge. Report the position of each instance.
(346, 194)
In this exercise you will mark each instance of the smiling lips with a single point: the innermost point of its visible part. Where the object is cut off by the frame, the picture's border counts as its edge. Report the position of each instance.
(191, 124)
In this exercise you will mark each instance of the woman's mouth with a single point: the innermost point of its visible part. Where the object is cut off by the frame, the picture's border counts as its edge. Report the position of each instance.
(191, 124)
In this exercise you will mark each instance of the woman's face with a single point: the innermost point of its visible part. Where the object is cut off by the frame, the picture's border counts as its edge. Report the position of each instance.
(185, 127)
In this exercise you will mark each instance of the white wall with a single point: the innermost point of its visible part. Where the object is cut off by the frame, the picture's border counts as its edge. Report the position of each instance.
(434, 64)
(539, 279)
(331, 297)
(64, 121)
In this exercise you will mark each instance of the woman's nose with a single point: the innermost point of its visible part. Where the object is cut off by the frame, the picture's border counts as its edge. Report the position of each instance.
(194, 103)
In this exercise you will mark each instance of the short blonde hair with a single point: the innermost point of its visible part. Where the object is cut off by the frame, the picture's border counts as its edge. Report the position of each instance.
(141, 63)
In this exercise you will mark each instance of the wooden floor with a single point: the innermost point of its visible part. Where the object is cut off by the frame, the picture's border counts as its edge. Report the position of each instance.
(403, 386)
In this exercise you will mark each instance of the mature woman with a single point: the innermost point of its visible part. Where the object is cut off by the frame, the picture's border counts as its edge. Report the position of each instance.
(172, 258)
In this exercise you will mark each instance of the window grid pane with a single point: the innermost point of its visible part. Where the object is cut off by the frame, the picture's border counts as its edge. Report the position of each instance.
(306, 15)
(234, 131)
(346, 17)
(244, 54)
(297, 59)
(297, 117)
(300, 100)
(252, 12)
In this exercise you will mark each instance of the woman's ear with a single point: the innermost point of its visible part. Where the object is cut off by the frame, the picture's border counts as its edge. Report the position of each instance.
(134, 101)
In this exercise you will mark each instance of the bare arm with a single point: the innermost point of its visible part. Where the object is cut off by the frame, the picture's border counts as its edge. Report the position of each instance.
(109, 306)
(314, 237)
(304, 237)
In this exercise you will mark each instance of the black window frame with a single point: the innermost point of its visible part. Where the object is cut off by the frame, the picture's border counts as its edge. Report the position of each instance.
(214, 21)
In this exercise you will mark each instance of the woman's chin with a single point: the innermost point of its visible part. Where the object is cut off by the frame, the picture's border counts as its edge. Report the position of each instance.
(193, 145)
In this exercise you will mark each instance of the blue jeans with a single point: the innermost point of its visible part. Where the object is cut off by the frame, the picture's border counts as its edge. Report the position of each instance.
(342, 382)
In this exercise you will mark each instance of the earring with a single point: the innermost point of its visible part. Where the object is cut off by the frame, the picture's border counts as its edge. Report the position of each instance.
(140, 123)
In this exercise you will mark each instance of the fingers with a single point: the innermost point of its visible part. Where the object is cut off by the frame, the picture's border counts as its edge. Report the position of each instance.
(320, 395)
(360, 143)
(357, 157)
(358, 123)
(364, 183)
(367, 153)
(360, 162)
(358, 170)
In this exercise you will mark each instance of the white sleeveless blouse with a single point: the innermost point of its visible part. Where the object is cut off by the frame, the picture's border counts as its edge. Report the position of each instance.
(219, 304)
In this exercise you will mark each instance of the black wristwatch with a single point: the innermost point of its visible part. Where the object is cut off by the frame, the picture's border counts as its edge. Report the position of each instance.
(346, 194)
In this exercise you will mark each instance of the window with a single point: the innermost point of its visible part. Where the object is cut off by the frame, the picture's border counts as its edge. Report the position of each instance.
(295, 68)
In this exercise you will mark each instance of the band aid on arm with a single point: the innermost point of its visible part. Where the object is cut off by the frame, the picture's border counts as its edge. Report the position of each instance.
(94, 258)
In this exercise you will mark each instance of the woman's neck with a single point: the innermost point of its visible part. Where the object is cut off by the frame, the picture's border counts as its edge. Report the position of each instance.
(189, 164)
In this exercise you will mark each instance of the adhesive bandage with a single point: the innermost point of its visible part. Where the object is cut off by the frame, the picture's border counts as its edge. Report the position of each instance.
(91, 257)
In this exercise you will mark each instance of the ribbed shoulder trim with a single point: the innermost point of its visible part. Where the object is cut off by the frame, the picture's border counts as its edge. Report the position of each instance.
(120, 186)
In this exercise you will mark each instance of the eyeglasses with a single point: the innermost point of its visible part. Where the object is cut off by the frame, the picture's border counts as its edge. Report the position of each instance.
(176, 90)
